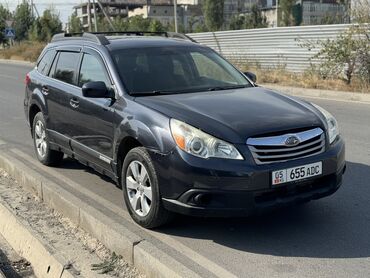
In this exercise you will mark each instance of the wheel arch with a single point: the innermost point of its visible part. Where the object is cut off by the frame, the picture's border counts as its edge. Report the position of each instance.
(37, 104)
(34, 109)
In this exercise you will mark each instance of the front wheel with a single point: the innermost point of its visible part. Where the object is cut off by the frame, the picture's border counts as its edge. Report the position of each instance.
(41, 142)
(141, 190)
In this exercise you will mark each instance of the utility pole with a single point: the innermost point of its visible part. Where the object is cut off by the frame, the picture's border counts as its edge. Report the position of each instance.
(89, 14)
(95, 16)
(32, 8)
(277, 13)
(106, 15)
(175, 14)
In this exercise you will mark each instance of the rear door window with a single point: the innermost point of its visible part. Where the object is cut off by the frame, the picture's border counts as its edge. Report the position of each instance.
(45, 62)
(66, 67)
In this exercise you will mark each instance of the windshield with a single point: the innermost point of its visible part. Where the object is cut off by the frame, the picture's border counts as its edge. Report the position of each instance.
(175, 70)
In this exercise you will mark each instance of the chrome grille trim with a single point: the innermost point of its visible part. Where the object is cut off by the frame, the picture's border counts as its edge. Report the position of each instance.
(273, 149)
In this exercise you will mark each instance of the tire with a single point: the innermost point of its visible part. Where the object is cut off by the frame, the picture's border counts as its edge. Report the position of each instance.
(41, 143)
(138, 190)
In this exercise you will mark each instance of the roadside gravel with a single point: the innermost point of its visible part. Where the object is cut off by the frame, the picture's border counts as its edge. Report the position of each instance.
(87, 256)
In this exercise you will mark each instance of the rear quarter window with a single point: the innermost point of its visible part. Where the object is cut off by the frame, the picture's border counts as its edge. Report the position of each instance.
(66, 67)
(44, 64)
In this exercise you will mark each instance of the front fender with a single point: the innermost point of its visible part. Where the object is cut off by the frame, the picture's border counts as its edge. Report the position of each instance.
(149, 127)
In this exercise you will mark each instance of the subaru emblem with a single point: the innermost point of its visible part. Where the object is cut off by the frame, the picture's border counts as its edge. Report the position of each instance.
(292, 141)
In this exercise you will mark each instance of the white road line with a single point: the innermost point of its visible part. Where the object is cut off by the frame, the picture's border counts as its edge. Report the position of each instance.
(175, 244)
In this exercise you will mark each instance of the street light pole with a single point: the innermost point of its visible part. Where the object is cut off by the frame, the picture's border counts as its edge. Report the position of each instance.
(175, 14)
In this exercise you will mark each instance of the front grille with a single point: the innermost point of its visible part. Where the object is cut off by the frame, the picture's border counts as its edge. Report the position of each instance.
(274, 149)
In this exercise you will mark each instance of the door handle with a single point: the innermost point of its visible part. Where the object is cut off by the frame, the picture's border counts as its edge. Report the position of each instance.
(45, 90)
(74, 102)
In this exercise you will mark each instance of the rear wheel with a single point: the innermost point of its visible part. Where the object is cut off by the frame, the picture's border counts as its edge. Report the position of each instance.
(141, 190)
(41, 142)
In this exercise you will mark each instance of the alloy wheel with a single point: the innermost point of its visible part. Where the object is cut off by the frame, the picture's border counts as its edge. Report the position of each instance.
(40, 139)
(139, 188)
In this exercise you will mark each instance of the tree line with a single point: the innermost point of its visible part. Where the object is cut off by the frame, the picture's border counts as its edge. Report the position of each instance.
(28, 27)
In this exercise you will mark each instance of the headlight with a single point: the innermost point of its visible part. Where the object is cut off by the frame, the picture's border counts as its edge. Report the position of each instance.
(333, 128)
(201, 144)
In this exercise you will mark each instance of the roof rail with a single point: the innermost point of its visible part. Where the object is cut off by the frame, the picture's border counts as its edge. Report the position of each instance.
(100, 37)
(180, 36)
(97, 38)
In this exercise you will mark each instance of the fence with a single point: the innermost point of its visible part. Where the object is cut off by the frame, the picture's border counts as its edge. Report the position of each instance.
(270, 47)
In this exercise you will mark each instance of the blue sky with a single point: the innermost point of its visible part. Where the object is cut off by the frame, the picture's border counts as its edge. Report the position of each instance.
(63, 7)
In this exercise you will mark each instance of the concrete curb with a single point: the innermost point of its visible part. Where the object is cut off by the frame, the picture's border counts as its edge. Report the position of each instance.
(114, 235)
(21, 237)
(318, 93)
(16, 62)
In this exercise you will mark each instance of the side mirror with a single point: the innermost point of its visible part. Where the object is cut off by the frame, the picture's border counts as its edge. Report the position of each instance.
(96, 89)
(251, 76)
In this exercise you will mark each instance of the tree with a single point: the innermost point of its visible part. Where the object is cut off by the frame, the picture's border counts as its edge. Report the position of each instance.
(46, 26)
(361, 12)
(285, 12)
(4, 15)
(74, 24)
(349, 53)
(138, 23)
(103, 24)
(201, 27)
(361, 15)
(156, 26)
(237, 22)
(22, 21)
(120, 24)
(214, 14)
(255, 19)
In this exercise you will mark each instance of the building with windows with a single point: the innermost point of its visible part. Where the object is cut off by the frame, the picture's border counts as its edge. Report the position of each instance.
(323, 12)
(88, 9)
(189, 16)
(313, 12)
(189, 11)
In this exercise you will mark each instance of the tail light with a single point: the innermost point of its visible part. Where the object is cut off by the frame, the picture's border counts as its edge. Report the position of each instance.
(27, 80)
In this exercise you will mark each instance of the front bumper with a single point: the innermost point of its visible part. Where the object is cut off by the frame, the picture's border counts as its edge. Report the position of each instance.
(218, 187)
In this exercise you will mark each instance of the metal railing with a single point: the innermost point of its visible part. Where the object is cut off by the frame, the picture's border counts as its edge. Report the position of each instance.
(270, 47)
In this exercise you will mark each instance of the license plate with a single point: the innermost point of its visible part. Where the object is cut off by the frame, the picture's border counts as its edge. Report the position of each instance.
(296, 173)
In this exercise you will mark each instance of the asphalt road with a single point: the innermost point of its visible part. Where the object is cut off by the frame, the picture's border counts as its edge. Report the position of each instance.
(325, 238)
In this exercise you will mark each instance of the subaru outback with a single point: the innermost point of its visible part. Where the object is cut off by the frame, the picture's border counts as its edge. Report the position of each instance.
(178, 127)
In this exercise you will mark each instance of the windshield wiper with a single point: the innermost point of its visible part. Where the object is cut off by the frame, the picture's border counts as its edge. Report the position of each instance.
(220, 88)
(193, 90)
(150, 93)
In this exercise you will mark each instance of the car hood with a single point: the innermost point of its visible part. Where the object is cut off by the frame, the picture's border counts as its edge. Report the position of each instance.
(235, 115)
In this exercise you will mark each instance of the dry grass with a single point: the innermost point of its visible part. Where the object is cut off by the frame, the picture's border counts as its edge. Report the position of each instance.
(25, 51)
(308, 79)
